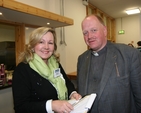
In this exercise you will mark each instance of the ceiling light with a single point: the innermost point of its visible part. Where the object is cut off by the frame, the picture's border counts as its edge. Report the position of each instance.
(48, 23)
(133, 11)
(0, 13)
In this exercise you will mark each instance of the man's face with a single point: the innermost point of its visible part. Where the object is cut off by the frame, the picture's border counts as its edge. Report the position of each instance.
(94, 33)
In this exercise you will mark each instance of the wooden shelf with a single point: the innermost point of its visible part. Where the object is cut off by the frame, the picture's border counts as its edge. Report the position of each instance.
(72, 75)
(23, 13)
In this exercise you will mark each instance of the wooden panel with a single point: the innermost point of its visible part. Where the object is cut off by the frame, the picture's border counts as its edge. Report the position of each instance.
(14, 5)
(19, 40)
(113, 34)
(9, 22)
(1, 2)
(108, 28)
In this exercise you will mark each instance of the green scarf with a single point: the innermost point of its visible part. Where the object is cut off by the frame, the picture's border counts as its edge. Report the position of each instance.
(47, 71)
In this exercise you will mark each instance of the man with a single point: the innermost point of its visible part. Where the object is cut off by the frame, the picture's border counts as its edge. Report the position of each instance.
(139, 45)
(112, 71)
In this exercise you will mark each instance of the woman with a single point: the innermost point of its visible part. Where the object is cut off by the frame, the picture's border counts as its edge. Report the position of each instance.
(40, 84)
(130, 44)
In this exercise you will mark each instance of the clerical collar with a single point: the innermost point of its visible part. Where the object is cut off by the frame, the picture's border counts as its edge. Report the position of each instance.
(95, 53)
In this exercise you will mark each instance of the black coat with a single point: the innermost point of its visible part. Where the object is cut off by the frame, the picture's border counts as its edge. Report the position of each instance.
(31, 91)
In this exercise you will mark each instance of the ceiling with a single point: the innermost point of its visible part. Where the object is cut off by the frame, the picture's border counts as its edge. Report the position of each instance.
(116, 8)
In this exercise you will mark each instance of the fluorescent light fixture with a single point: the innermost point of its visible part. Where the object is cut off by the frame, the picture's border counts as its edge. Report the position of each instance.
(133, 11)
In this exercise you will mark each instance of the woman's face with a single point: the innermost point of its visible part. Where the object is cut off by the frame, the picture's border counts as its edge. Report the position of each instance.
(45, 47)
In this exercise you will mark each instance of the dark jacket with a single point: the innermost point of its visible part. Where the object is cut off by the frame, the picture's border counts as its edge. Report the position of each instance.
(31, 91)
(120, 86)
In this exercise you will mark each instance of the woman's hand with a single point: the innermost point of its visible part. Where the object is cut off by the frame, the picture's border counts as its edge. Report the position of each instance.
(61, 106)
(76, 96)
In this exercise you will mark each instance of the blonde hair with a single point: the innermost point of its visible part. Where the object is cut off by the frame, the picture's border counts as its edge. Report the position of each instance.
(34, 38)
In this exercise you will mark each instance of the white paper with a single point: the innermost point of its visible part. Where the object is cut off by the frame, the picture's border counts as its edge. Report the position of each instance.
(84, 104)
(90, 101)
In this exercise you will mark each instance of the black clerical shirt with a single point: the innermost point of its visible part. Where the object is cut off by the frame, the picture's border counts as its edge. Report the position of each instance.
(96, 71)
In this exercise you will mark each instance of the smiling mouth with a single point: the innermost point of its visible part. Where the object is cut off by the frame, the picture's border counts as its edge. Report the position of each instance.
(45, 52)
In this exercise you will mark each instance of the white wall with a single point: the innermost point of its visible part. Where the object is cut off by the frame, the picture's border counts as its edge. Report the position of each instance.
(131, 25)
(27, 33)
(7, 33)
(75, 44)
(49, 5)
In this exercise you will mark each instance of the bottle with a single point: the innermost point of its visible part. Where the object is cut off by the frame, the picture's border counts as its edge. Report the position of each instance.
(3, 74)
(0, 71)
(1, 80)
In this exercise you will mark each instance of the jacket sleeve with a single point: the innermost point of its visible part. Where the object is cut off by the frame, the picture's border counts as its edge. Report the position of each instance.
(135, 79)
(21, 92)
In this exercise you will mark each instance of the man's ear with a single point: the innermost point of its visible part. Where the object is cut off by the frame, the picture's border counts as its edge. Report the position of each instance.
(105, 30)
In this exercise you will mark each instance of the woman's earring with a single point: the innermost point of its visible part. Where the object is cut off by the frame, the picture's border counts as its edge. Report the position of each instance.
(32, 50)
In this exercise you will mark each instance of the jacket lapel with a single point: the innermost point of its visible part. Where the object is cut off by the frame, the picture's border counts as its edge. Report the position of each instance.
(86, 71)
(109, 65)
